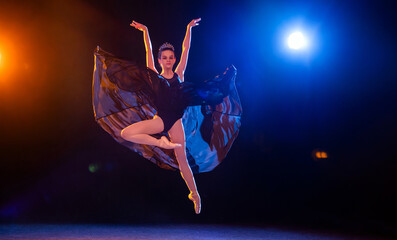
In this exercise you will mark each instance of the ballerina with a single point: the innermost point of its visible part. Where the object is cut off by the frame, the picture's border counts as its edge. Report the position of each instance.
(134, 104)
(140, 132)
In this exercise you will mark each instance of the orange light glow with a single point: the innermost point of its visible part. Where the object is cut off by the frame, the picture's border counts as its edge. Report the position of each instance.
(1, 60)
(319, 154)
(6, 68)
(12, 53)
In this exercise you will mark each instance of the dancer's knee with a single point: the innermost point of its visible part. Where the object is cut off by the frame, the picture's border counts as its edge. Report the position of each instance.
(128, 132)
(123, 133)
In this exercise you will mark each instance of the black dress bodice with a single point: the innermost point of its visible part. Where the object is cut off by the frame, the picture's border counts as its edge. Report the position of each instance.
(169, 101)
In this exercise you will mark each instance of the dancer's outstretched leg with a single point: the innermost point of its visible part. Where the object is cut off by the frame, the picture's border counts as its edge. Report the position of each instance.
(139, 133)
(177, 135)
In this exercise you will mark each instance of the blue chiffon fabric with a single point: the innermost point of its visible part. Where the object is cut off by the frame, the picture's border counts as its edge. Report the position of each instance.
(124, 93)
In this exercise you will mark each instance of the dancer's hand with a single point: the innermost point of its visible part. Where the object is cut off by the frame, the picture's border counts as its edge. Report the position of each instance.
(138, 26)
(194, 22)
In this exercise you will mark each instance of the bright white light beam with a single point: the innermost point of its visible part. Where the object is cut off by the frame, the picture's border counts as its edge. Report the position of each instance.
(297, 41)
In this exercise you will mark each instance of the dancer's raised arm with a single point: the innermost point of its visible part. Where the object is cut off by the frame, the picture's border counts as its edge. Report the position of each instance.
(180, 69)
(148, 44)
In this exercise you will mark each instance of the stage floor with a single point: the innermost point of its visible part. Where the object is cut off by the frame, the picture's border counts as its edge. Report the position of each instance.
(165, 232)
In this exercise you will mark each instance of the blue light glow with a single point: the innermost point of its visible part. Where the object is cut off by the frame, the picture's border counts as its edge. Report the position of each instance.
(297, 41)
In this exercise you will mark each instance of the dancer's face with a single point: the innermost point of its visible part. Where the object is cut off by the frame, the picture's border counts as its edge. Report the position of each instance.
(167, 59)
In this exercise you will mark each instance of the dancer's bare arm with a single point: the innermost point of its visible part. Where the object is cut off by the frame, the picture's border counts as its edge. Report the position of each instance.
(180, 69)
(148, 44)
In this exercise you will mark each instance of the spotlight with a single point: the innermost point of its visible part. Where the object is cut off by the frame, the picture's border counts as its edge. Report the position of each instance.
(297, 41)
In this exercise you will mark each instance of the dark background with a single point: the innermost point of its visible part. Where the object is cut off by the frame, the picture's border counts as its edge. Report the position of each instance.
(58, 165)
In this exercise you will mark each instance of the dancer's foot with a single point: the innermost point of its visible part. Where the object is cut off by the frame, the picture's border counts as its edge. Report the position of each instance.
(196, 200)
(164, 143)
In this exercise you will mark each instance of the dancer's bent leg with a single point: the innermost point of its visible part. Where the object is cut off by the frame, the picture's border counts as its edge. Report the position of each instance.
(139, 133)
(177, 135)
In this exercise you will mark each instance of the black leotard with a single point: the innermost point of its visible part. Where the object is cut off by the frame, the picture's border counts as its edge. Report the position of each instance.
(170, 106)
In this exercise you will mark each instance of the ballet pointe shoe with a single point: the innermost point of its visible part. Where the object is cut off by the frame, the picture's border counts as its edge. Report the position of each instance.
(164, 143)
(195, 198)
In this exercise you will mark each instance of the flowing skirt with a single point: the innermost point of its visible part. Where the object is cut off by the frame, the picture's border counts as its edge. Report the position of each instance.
(124, 93)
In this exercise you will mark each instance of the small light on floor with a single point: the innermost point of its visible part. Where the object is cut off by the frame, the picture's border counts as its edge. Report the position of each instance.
(319, 155)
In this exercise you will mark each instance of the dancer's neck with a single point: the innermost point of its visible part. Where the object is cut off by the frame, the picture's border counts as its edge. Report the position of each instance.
(167, 73)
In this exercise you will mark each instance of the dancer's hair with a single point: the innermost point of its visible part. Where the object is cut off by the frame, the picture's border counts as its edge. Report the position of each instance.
(164, 47)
